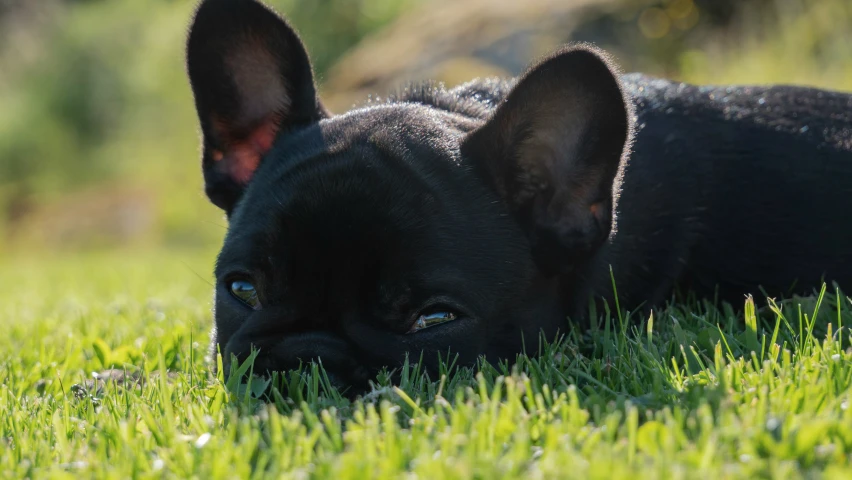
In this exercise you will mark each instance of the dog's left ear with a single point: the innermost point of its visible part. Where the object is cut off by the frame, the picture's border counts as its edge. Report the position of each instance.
(252, 80)
(553, 149)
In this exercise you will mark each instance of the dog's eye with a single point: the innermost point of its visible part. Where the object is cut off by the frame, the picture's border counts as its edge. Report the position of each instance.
(246, 293)
(431, 319)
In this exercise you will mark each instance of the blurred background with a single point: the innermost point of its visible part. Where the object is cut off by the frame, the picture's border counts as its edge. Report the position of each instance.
(99, 139)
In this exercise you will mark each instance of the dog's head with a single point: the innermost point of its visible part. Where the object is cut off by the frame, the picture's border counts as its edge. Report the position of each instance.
(394, 228)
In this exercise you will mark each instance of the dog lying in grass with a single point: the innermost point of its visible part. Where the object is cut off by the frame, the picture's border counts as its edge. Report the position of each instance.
(466, 220)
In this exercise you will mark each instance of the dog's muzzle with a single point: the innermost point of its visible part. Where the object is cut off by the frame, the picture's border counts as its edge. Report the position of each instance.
(279, 351)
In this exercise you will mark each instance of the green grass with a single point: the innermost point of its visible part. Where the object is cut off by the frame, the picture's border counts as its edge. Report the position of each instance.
(697, 392)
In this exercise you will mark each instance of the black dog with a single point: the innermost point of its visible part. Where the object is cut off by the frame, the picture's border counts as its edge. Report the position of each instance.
(465, 220)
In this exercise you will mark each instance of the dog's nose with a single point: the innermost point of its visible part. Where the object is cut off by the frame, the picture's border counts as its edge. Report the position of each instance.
(266, 327)
(281, 349)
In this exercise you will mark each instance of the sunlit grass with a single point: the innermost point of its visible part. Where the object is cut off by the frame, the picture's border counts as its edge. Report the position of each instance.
(694, 392)
(697, 391)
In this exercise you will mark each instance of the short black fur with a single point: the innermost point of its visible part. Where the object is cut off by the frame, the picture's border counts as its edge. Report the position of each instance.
(500, 203)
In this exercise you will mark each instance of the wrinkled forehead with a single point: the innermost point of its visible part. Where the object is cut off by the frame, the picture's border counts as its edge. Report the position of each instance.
(335, 175)
(363, 187)
(390, 150)
(368, 179)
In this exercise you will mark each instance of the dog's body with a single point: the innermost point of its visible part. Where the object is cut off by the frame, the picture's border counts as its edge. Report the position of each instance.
(730, 191)
(495, 210)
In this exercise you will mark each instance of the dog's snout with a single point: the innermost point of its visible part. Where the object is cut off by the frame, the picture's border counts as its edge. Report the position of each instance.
(269, 326)
(281, 347)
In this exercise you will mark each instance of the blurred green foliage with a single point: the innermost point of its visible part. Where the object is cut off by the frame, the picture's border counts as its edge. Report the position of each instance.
(93, 97)
(94, 92)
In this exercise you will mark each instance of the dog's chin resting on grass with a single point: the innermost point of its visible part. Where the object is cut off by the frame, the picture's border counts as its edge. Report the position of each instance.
(467, 221)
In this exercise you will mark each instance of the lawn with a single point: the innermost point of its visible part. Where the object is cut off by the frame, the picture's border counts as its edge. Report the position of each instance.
(103, 369)
(695, 392)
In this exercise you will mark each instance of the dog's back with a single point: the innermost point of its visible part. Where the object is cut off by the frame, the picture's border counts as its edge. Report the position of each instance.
(732, 190)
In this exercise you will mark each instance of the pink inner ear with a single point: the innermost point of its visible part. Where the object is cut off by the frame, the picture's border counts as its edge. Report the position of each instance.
(242, 156)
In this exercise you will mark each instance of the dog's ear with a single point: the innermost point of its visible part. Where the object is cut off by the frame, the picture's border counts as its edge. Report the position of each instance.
(251, 78)
(553, 150)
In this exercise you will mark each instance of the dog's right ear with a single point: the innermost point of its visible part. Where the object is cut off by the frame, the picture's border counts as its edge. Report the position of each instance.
(553, 150)
(252, 79)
